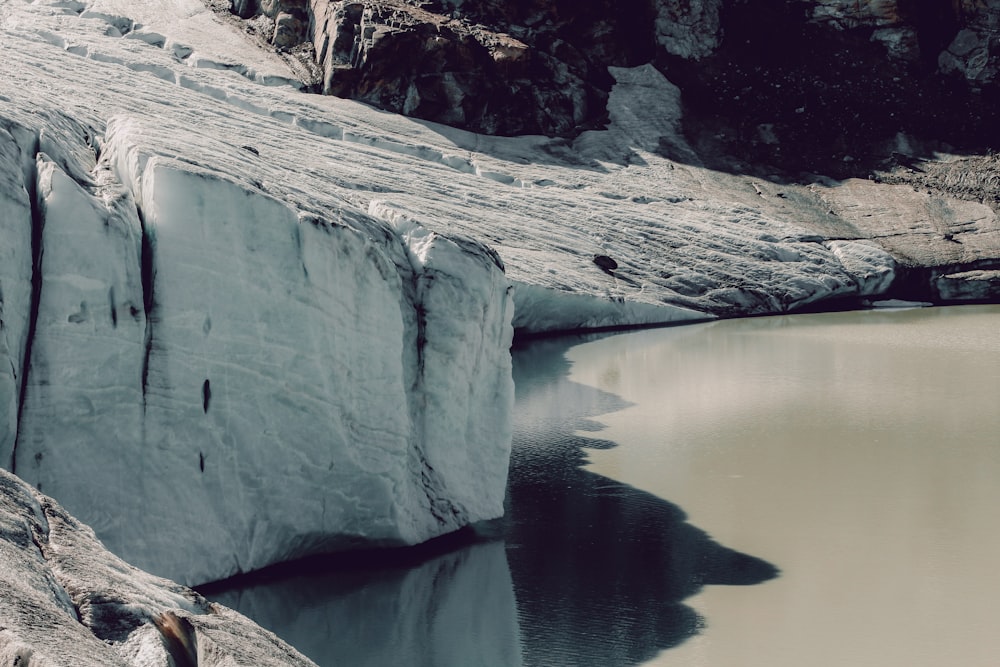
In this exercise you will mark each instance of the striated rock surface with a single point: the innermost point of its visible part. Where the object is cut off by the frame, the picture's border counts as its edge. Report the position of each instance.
(66, 600)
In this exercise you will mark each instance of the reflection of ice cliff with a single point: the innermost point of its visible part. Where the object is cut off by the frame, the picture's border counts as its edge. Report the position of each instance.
(454, 610)
(606, 588)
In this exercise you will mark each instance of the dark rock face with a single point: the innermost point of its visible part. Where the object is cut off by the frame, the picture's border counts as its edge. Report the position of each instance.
(836, 87)
(831, 86)
(429, 65)
(492, 67)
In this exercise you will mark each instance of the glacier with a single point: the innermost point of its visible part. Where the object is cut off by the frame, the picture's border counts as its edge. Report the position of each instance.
(242, 323)
(219, 374)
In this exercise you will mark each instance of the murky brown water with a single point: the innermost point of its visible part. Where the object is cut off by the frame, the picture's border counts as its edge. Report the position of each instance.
(857, 452)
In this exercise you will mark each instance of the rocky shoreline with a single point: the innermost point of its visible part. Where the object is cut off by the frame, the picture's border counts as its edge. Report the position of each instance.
(67, 600)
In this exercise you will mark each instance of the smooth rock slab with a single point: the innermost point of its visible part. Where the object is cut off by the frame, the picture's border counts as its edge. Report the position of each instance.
(66, 600)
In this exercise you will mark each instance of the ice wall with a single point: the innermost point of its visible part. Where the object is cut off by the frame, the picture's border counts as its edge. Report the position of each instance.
(15, 276)
(220, 380)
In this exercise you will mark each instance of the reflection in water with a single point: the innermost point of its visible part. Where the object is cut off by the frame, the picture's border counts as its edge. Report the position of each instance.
(452, 610)
(859, 451)
(598, 569)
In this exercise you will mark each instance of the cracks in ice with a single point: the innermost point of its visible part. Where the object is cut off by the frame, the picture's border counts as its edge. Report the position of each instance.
(113, 308)
(37, 223)
(128, 29)
(123, 27)
(441, 508)
(147, 273)
(421, 341)
(206, 399)
(421, 279)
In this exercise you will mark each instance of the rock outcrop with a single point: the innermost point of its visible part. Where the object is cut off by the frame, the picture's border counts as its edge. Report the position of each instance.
(817, 85)
(65, 600)
(428, 65)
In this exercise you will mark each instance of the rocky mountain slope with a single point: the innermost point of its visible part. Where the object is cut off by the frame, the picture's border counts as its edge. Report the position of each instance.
(827, 79)
(790, 93)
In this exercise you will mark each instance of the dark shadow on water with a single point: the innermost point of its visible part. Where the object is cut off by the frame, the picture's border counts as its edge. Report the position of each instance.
(600, 569)
(582, 571)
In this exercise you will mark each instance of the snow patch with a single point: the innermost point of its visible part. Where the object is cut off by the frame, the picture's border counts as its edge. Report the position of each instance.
(872, 267)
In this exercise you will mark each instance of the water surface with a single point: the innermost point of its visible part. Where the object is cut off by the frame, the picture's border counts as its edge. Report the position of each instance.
(858, 452)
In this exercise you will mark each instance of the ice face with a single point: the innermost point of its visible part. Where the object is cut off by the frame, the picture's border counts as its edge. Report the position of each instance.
(229, 366)
(220, 381)
(15, 278)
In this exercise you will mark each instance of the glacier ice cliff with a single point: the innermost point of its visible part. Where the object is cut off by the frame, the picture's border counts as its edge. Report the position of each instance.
(66, 600)
(241, 323)
(218, 377)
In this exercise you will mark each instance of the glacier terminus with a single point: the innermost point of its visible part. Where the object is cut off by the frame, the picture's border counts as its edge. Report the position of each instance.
(241, 323)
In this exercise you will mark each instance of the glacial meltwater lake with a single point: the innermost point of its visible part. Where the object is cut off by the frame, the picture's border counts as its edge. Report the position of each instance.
(817, 490)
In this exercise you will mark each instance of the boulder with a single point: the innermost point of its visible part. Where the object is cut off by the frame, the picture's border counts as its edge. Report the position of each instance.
(65, 600)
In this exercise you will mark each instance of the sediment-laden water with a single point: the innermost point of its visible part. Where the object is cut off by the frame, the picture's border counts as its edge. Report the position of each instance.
(858, 452)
